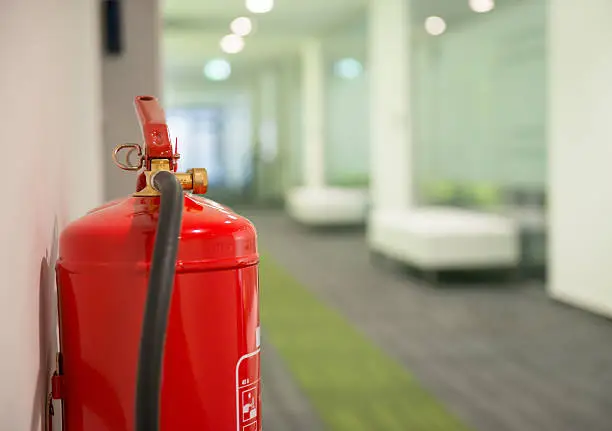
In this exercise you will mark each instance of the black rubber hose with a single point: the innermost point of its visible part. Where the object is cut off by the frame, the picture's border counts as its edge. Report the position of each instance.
(157, 306)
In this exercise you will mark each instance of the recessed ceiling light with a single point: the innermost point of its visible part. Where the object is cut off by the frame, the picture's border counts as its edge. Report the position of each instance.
(218, 70)
(260, 6)
(482, 6)
(435, 25)
(232, 44)
(241, 26)
(348, 68)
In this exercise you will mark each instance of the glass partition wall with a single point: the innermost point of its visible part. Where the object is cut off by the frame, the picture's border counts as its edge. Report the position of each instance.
(346, 104)
(479, 115)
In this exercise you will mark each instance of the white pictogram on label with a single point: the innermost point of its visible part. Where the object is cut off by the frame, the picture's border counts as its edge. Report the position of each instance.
(247, 392)
(249, 404)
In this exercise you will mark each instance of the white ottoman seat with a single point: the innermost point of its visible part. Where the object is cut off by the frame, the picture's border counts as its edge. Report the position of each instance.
(440, 238)
(327, 206)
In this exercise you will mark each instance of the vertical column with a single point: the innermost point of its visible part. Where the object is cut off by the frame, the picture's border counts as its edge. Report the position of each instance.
(580, 153)
(292, 103)
(84, 181)
(268, 180)
(313, 93)
(256, 115)
(390, 137)
(285, 98)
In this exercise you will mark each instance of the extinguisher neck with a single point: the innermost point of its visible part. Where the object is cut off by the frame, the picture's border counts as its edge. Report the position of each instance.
(157, 153)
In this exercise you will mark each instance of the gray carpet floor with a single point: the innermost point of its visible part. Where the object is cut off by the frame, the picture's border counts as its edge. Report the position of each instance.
(284, 407)
(503, 358)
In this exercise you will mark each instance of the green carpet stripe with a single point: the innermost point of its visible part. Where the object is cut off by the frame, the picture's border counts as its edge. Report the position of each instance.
(351, 383)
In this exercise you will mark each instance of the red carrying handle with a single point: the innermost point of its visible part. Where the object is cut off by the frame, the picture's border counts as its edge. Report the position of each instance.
(154, 130)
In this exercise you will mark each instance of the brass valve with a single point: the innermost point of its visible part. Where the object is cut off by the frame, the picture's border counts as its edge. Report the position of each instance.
(195, 180)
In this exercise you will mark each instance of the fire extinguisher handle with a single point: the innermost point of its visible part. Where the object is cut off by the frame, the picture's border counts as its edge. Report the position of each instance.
(149, 110)
(154, 129)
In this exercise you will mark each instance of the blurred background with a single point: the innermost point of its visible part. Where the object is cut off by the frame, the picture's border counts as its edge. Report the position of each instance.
(430, 180)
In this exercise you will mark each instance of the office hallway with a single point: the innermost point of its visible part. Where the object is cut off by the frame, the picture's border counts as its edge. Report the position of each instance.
(497, 357)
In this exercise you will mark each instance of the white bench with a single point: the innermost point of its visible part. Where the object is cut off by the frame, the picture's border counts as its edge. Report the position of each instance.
(327, 206)
(440, 238)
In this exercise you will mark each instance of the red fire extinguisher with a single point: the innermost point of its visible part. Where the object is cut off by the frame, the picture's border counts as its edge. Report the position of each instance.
(189, 266)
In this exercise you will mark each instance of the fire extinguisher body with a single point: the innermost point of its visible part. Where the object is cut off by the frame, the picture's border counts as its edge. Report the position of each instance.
(210, 379)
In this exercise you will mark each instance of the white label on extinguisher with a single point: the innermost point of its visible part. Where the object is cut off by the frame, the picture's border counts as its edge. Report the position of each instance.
(247, 392)
(257, 337)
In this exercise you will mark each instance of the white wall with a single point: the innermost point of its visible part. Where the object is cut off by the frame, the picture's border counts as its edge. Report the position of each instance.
(49, 117)
(137, 71)
(580, 149)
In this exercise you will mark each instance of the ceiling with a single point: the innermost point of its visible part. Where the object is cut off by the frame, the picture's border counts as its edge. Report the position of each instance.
(193, 28)
(302, 17)
(454, 12)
